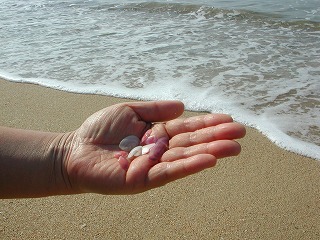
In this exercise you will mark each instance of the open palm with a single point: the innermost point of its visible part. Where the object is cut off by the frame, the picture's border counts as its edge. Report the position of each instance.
(195, 144)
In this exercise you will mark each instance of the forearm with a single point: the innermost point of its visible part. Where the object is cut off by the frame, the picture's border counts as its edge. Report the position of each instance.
(30, 163)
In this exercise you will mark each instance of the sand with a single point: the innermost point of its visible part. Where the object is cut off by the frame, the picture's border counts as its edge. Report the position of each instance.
(265, 193)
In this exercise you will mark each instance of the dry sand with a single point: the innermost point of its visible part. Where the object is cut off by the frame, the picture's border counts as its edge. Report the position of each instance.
(265, 193)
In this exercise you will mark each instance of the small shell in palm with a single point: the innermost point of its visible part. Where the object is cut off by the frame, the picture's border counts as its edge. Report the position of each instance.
(129, 143)
(135, 152)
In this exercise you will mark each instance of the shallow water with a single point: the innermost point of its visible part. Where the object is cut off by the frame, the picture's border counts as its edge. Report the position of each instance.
(258, 61)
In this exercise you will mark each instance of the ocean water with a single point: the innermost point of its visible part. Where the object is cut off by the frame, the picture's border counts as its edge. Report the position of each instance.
(256, 60)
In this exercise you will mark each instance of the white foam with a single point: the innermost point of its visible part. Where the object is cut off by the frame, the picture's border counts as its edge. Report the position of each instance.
(196, 101)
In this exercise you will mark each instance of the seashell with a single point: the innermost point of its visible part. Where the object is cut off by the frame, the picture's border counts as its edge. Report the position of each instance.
(129, 142)
(151, 139)
(145, 136)
(159, 149)
(135, 152)
(146, 148)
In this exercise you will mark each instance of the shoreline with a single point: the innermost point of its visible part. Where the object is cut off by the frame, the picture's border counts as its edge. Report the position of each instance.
(264, 193)
(280, 139)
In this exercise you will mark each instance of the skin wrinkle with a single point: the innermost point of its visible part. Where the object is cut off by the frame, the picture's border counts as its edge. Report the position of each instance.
(209, 120)
(189, 123)
(136, 169)
(161, 171)
(114, 172)
(100, 167)
(80, 160)
(193, 137)
(48, 148)
(62, 151)
(186, 123)
(169, 155)
(206, 148)
(117, 115)
(54, 166)
(185, 166)
(187, 152)
(65, 176)
(90, 122)
(134, 185)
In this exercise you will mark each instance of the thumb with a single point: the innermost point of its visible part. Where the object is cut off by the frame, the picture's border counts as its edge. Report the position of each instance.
(157, 111)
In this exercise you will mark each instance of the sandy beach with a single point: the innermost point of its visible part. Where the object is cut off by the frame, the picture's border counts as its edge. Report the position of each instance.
(265, 193)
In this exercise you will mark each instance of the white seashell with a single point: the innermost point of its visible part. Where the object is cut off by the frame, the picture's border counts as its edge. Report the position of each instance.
(137, 151)
(146, 148)
(128, 143)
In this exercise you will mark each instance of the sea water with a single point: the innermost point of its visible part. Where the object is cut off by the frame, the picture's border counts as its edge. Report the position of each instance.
(256, 60)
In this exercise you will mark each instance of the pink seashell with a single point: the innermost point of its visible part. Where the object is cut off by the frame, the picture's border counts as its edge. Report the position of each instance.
(151, 139)
(159, 149)
(129, 142)
(145, 136)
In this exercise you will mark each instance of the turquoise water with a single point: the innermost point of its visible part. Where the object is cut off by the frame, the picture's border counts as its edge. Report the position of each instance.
(258, 61)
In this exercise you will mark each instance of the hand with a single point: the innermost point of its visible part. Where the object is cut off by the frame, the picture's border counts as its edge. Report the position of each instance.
(195, 144)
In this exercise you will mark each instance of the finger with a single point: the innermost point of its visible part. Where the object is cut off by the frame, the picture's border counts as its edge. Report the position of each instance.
(166, 172)
(159, 131)
(209, 134)
(138, 172)
(219, 149)
(191, 124)
(157, 111)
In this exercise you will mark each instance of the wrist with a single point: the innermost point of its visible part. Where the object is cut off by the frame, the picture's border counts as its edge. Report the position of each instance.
(58, 154)
(31, 163)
